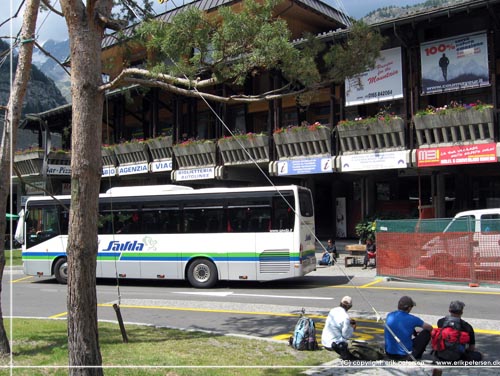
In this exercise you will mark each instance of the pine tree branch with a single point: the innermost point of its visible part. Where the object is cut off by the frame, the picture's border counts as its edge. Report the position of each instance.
(46, 53)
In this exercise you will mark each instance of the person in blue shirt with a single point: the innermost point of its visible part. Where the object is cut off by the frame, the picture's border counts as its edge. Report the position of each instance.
(413, 333)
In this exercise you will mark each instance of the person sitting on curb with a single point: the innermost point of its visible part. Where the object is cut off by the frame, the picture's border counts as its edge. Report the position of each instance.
(468, 352)
(400, 334)
(339, 328)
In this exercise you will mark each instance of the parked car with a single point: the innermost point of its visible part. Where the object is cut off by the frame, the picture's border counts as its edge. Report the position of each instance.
(470, 242)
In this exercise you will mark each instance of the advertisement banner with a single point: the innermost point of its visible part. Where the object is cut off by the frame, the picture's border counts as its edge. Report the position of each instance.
(455, 64)
(457, 155)
(382, 83)
(373, 161)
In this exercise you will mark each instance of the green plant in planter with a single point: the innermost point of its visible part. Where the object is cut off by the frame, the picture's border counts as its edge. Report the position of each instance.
(301, 128)
(242, 136)
(365, 230)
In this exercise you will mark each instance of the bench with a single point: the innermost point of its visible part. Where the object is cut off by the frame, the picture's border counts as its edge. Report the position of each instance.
(356, 254)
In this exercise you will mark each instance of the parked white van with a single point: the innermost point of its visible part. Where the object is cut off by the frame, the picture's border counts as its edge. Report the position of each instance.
(470, 240)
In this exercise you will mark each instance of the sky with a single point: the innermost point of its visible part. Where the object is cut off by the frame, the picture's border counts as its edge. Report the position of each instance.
(51, 26)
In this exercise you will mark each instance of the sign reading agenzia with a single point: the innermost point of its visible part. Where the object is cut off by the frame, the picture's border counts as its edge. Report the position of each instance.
(382, 83)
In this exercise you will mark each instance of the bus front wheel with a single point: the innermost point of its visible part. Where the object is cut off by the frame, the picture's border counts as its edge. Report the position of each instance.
(202, 273)
(61, 271)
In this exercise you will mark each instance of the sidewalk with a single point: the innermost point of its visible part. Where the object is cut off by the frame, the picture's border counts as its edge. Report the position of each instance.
(388, 367)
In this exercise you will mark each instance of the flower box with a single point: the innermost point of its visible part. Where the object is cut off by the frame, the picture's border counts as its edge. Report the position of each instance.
(61, 157)
(455, 127)
(132, 152)
(303, 141)
(244, 149)
(108, 156)
(372, 134)
(195, 153)
(29, 162)
(160, 147)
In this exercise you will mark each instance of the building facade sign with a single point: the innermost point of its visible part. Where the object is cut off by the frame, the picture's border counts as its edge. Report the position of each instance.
(108, 171)
(455, 63)
(140, 168)
(457, 155)
(373, 161)
(305, 166)
(195, 174)
(382, 83)
(58, 170)
(161, 166)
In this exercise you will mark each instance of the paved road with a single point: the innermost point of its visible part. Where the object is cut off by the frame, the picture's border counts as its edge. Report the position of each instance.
(277, 320)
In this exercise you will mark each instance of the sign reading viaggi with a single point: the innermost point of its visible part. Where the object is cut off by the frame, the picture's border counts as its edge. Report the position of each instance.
(160, 166)
(455, 63)
(305, 166)
(382, 83)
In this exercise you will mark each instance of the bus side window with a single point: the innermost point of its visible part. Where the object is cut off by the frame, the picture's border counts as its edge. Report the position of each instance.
(283, 215)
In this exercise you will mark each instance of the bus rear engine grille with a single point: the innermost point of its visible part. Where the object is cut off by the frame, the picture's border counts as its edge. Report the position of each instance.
(274, 261)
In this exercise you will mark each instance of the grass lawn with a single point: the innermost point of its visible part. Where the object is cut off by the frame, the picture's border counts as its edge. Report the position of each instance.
(16, 257)
(156, 351)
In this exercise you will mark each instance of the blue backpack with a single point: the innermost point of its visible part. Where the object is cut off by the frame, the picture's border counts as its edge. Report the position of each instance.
(326, 259)
(304, 335)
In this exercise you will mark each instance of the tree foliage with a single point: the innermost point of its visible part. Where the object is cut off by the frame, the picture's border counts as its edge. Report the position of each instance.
(356, 54)
(228, 46)
(199, 49)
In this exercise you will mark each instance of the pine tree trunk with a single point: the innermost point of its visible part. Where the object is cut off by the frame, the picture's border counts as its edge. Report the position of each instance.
(85, 32)
(12, 117)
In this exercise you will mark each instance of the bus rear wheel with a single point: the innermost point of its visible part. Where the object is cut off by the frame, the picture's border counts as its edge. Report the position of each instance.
(61, 271)
(202, 273)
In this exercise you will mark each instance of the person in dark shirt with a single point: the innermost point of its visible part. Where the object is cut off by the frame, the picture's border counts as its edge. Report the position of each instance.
(332, 249)
(456, 309)
(371, 252)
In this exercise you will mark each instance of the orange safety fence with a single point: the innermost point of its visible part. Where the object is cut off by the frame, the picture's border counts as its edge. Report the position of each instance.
(471, 257)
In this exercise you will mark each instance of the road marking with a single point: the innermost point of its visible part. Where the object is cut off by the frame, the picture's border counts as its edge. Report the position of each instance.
(58, 315)
(416, 289)
(21, 279)
(372, 283)
(225, 294)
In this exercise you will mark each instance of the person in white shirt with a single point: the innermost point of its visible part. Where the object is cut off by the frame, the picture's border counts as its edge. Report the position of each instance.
(339, 327)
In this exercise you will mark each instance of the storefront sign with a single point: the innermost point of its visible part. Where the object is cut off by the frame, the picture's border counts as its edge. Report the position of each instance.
(457, 155)
(108, 171)
(455, 64)
(195, 174)
(58, 169)
(382, 83)
(373, 161)
(140, 168)
(305, 166)
(161, 166)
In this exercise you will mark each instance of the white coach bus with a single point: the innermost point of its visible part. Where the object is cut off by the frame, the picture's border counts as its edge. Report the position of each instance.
(175, 232)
